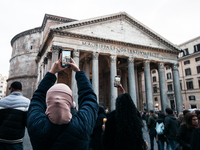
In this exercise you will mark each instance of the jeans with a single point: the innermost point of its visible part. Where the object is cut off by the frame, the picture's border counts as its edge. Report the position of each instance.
(152, 135)
(172, 143)
(6, 146)
(162, 145)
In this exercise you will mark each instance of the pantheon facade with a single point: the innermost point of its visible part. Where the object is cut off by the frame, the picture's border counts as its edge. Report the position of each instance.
(103, 47)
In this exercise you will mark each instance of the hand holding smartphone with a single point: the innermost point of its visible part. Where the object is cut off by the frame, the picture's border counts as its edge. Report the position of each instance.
(117, 80)
(66, 58)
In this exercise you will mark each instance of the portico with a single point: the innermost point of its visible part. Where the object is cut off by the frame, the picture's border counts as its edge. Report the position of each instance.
(113, 45)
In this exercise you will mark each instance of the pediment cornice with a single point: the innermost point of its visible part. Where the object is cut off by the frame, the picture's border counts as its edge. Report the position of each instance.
(102, 40)
(121, 15)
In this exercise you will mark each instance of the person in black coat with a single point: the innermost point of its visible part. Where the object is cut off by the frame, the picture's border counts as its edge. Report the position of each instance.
(95, 143)
(184, 132)
(195, 138)
(123, 128)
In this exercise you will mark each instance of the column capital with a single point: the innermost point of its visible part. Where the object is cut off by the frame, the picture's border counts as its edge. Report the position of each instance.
(130, 60)
(113, 58)
(55, 49)
(45, 60)
(160, 65)
(95, 56)
(174, 66)
(76, 53)
(146, 63)
(49, 55)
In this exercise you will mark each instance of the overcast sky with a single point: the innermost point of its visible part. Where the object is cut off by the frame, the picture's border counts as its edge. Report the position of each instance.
(176, 20)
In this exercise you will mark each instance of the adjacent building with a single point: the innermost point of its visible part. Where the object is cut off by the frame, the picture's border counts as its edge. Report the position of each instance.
(3, 86)
(189, 77)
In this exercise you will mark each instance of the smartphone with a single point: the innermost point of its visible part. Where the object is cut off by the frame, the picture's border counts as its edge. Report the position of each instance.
(66, 57)
(117, 80)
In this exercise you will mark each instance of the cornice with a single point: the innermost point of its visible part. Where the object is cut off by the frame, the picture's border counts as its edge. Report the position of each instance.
(121, 15)
(196, 54)
(87, 37)
(23, 76)
(40, 29)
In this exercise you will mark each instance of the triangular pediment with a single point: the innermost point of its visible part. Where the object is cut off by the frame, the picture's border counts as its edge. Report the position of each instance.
(117, 27)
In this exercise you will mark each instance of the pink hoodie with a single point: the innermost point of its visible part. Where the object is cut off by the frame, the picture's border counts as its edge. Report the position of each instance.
(59, 100)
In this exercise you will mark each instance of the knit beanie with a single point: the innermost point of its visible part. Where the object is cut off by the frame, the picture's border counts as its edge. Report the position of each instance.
(59, 100)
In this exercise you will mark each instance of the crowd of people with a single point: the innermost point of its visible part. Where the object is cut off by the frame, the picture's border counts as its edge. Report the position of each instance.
(54, 122)
(179, 133)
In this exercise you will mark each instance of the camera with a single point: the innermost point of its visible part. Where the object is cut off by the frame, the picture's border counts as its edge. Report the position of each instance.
(117, 80)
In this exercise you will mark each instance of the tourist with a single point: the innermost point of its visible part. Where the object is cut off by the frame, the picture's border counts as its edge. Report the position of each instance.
(50, 123)
(13, 113)
(123, 128)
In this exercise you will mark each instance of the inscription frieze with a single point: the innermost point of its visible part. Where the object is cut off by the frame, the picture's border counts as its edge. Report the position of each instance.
(120, 49)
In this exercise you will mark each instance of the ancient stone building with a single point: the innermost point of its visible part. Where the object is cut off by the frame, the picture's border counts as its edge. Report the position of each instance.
(103, 47)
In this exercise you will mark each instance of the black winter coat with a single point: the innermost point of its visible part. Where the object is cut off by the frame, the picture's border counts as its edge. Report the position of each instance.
(45, 135)
(171, 126)
(195, 140)
(183, 136)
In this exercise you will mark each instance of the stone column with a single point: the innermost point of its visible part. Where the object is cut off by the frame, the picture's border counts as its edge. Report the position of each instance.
(148, 86)
(95, 74)
(54, 57)
(87, 67)
(131, 80)
(124, 79)
(163, 88)
(74, 84)
(177, 88)
(45, 65)
(113, 73)
(49, 61)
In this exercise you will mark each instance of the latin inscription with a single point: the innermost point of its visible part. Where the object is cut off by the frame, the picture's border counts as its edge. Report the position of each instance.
(120, 49)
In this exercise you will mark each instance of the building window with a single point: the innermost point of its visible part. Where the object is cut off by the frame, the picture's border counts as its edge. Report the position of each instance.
(156, 99)
(167, 68)
(154, 79)
(198, 69)
(0, 91)
(193, 106)
(199, 82)
(197, 48)
(197, 59)
(185, 52)
(186, 62)
(181, 85)
(169, 86)
(154, 71)
(1, 86)
(155, 89)
(192, 98)
(187, 71)
(169, 76)
(189, 85)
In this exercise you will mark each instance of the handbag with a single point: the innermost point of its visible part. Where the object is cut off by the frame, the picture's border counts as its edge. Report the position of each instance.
(159, 128)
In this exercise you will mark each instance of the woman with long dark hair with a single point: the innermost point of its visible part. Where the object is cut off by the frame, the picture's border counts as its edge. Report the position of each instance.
(184, 133)
(123, 128)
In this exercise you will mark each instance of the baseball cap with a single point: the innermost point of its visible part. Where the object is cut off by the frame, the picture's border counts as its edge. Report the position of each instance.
(16, 85)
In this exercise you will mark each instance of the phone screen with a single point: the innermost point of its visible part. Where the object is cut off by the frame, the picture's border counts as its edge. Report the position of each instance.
(117, 81)
(66, 57)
